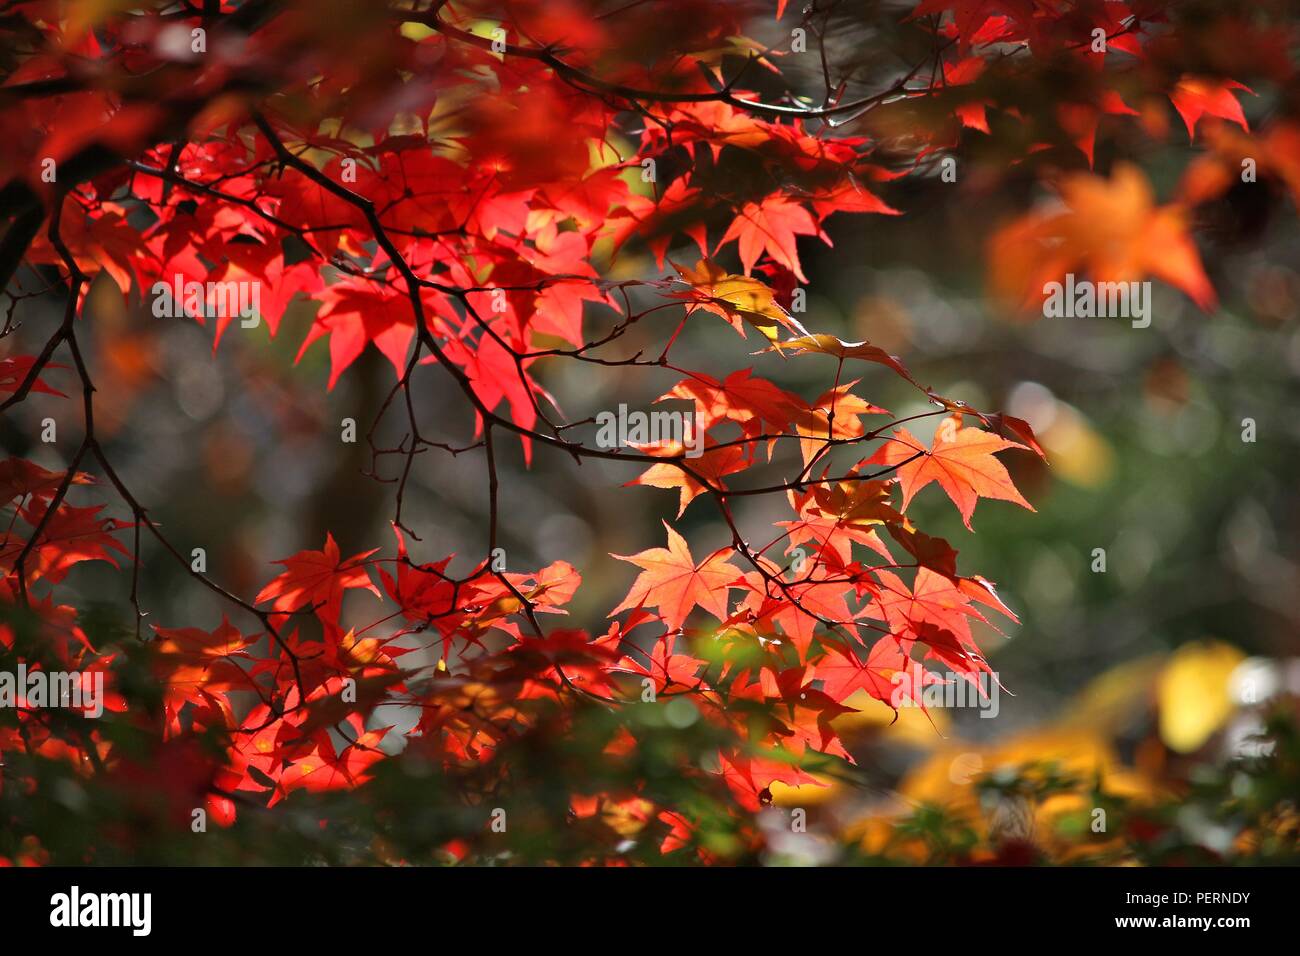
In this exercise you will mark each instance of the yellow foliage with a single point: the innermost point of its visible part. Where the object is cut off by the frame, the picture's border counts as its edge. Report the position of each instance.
(1193, 694)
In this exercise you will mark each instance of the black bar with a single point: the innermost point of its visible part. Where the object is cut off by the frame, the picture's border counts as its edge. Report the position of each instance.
(390, 907)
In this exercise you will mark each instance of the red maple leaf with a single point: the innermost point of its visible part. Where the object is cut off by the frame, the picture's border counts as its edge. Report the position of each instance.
(317, 579)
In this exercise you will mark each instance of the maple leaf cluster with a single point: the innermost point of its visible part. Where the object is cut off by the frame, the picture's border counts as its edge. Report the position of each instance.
(455, 185)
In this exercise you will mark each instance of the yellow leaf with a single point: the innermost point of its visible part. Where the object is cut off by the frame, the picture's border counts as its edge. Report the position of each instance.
(784, 795)
(736, 297)
(1192, 694)
(914, 726)
(830, 345)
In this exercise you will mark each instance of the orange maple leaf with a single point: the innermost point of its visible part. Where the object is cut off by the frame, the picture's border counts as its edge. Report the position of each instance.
(711, 466)
(771, 227)
(960, 460)
(1112, 229)
(674, 583)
